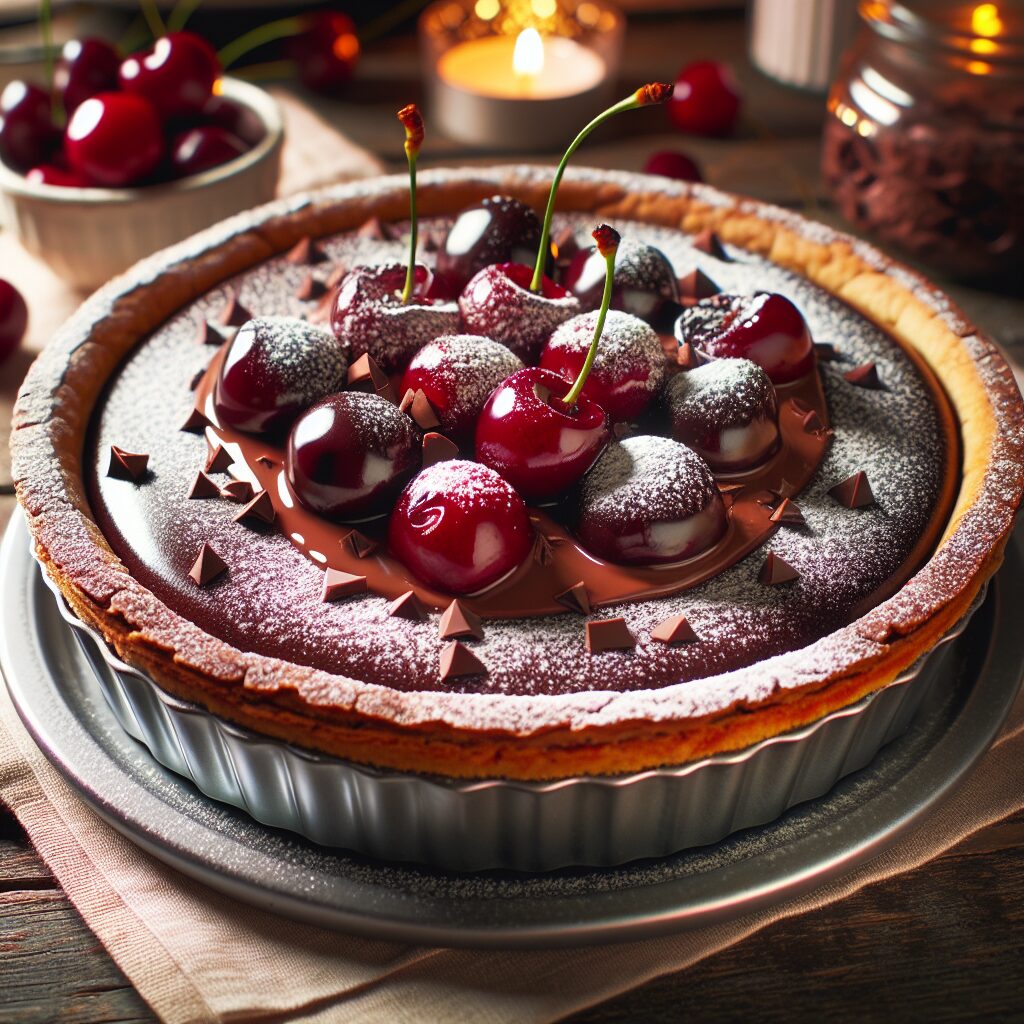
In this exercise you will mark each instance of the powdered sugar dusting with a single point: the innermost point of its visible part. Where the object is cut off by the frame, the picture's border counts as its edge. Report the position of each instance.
(722, 393)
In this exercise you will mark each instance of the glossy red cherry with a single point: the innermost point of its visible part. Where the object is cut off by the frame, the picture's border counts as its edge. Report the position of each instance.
(705, 100)
(199, 149)
(460, 527)
(241, 121)
(727, 412)
(54, 174)
(499, 229)
(628, 370)
(534, 440)
(649, 500)
(764, 327)
(645, 283)
(498, 304)
(457, 373)
(114, 139)
(327, 52)
(86, 67)
(670, 163)
(350, 454)
(27, 133)
(274, 368)
(176, 75)
(13, 318)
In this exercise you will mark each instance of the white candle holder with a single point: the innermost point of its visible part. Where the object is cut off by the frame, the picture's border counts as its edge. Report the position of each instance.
(521, 75)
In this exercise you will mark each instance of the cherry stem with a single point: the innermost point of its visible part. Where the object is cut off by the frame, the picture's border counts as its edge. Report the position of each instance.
(153, 20)
(283, 28)
(183, 10)
(606, 300)
(410, 271)
(46, 26)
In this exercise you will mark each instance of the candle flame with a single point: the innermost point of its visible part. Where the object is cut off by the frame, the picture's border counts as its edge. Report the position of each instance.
(528, 55)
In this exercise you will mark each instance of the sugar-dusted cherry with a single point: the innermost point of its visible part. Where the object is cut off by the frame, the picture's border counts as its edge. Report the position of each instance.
(705, 100)
(114, 139)
(27, 133)
(457, 373)
(274, 368)
(460, 527)
(199, 149)
(326, 52)
(672, 163)
(649, 500)
(176, 74)
(764, 327)
(350, 454)
(13, 318)
(727, 412)
(86, 67)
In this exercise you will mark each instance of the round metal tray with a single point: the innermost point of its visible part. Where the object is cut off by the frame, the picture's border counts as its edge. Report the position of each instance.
(59, 699)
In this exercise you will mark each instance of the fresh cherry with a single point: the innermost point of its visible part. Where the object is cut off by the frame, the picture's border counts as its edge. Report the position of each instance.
(114, 139)
(241, 121)
(54, 174)
(534, 440)
(645, 283)
(649, 500)
(499, 229)
(350, 454)
(670, 163)
(199, 149)
(13, 318)
(457, 373)
(499, 304)
(176, 75)
(460, 527)
(274, 368)
(86, 67)
(628, 370)
(727, 412)
(765, 327)
(705, 100)
(326, 52)
(27, 133)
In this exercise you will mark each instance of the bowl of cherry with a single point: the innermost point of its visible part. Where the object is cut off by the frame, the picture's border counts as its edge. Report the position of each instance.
(125, 156)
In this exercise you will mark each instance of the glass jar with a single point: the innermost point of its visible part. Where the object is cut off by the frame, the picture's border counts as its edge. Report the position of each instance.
(924, 140)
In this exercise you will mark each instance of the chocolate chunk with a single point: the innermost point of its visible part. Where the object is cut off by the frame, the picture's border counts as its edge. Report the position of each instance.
(258, 512)
(812, 422)
(339, 585)
(310, 289)
(785, 489)
(127, 465)
(686, 356)
(543, 553)
(731, 488)
(853, 492)
(609, 635)
(196, 422)
(196, 378)
(707, 241)
(234, 314)
(459, 621)
(266, 460)
(366, 375)
(408, 606)
(674, 630)
(358, 544)
(787, 513)
(827, 352)
(207, 334)
(388, 393)
(576, 598)
(458, 660)
(238, 490)
(207, 567)
(418, 406)
(864, 376)
(377, 231)
(305, 253)
(218, 461)
(775, 571)
(438, 448)
(203, 487)
(336, 276)
(696, 285)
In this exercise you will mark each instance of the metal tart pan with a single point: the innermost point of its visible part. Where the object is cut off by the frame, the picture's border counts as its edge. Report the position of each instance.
(472, 825)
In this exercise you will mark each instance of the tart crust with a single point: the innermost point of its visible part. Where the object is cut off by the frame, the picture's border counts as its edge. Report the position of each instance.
(481, 735)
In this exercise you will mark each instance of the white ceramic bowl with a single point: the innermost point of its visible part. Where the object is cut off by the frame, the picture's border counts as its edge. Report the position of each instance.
(89, 235)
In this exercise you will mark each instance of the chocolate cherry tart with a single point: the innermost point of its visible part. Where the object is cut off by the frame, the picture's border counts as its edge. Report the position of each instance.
(867, 539)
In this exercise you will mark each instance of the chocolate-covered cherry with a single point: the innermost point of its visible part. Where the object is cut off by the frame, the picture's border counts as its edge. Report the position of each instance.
(326, 51)
(460, 527)
(54, 174)
(498, 229)
(176, 75)
(628, 370)
(645, 283)
(705, 100)
(764, 327)
(274, 368)
(350, 454)
(199, 149)
(499, 303)
(727, 412)
(671, 163)
(457, 373)
(27, 133)
(13, 318)
(649, 500)
(114, 139)
(86, 67)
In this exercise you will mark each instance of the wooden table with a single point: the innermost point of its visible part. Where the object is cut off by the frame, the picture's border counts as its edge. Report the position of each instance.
(945, 942)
